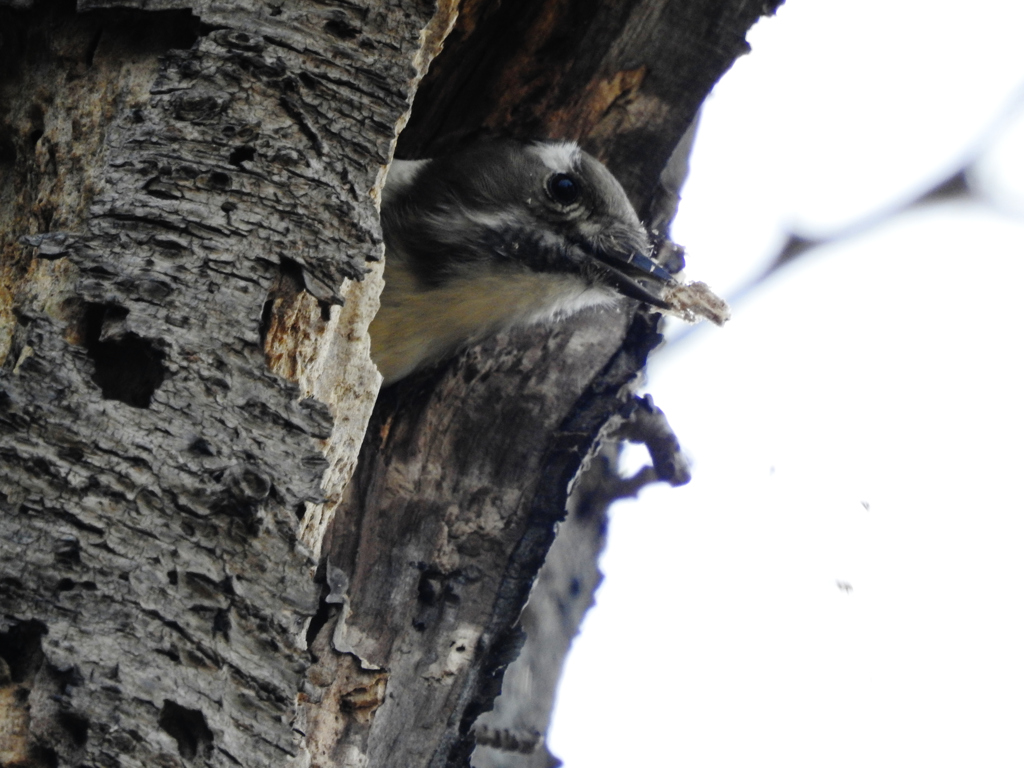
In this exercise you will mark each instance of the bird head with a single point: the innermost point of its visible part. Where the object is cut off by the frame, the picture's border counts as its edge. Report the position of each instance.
(505, 207)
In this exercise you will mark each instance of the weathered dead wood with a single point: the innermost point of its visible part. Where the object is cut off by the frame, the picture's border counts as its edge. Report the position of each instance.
(162, 170)
(189, 191)
(513, 734)
(466, 470)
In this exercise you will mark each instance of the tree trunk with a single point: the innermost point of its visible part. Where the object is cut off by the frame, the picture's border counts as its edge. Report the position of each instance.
(190, 258)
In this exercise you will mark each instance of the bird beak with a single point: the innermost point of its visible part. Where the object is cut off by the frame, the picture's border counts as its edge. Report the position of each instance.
(622, 271)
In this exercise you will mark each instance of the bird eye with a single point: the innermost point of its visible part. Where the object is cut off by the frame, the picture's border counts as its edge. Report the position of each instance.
(563, 189)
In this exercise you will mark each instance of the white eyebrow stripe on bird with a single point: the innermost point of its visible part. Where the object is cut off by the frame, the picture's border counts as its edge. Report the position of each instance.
(442, 221)
(558, 156)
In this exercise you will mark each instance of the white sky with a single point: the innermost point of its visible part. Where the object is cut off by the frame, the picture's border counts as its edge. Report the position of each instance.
(883, 372)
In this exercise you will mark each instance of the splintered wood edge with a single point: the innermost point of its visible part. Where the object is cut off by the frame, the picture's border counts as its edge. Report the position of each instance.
(694, 300)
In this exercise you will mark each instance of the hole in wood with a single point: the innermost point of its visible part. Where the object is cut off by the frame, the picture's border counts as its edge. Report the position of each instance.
(67, 552)
(127, 367)
(341, 29)
(200, 447)
(241, 155)
(76, 725)
(21, 647)
(187, 727)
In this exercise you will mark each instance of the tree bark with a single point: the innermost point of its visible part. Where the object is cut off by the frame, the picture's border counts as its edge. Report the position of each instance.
(190, 258)
(170, 173)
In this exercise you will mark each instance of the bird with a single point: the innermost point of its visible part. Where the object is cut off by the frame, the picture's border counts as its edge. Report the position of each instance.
(498, 234)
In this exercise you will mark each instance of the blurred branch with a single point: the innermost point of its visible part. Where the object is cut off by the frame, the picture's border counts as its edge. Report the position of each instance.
(956, 186)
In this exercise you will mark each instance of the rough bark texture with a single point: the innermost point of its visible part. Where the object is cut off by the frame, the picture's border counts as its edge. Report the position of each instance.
(189, 193)
(513, 734)
(167, 174)
(465, 470)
